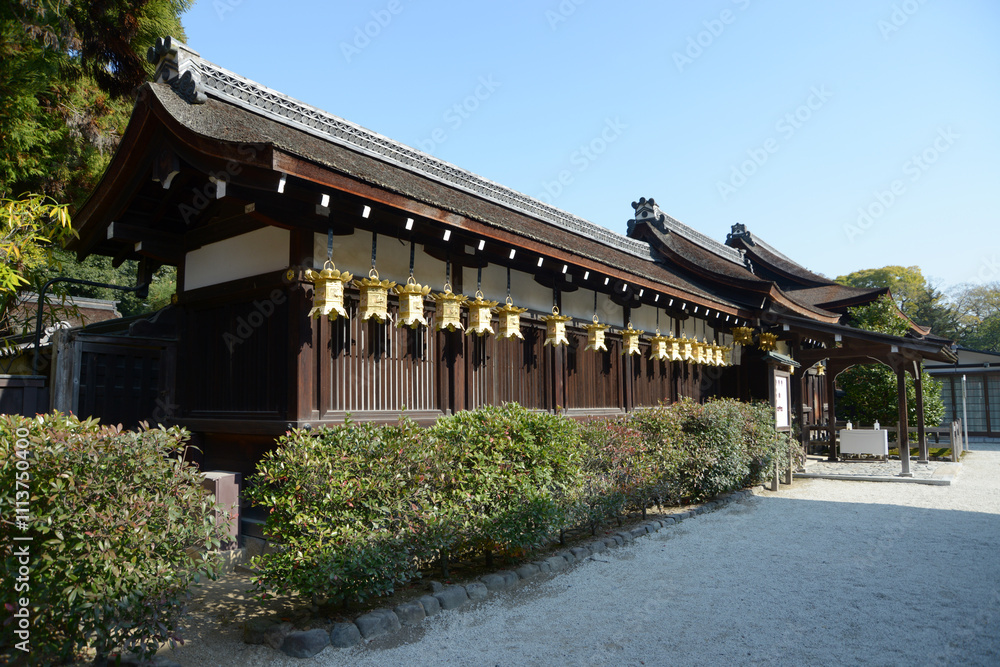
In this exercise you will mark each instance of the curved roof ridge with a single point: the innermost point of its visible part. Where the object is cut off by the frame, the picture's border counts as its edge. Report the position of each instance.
(233, 88)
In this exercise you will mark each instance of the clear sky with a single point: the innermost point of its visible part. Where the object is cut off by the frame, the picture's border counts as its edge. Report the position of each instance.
(849, 135)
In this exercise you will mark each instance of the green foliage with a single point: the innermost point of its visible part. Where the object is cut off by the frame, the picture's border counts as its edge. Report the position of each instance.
(513, 472)
(871, 391)
(357, 510)
(718, 446)
(916, 298)
(115, 519)
(29, 228)
(985, 336)
(631, 462)
(980, 319)
(66, 69)
(880, 316)
(871, 394)
(97, 268)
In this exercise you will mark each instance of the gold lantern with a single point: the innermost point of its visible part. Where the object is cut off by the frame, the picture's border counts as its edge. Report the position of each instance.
(374, 297)
(630, 340)
(595, 336)
(555, 328)
(328, 291)
(699, 351)
(719, 358)
(727, 356)
(674, 348)
(708, 350)
(687, 348)
(480, 315)
(411, 304)
(768, 341)
(821, 369)
(448, 309)
(658, 348)
(510, 320)
(743, 335)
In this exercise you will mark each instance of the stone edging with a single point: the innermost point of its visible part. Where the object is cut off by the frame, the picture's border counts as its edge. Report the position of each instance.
(380, 622)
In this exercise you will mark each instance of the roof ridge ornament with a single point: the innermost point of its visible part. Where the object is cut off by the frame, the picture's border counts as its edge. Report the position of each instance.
(739, 231)
(647, 211)
(172, 58)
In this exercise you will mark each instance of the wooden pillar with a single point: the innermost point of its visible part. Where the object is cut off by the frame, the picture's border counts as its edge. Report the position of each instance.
(445, 366)
(558, 371)
(559, 378)
(923, 457)
(902, 435)
(628, 382)
(803, 386)
(831, 413)
(302, 333)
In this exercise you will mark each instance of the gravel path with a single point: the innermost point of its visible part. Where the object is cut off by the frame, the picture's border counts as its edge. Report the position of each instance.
(823, 572)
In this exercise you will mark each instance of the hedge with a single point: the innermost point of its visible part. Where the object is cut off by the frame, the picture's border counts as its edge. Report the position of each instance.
(113, 518)
(358, 510)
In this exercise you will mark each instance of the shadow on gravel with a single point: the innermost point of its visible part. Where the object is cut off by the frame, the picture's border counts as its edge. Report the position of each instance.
(918, 585)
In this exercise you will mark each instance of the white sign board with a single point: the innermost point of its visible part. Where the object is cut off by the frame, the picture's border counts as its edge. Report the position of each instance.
(781, 402)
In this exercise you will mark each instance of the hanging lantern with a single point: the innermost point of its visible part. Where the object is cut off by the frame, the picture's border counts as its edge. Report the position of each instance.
(411, 304)
(630, 340)
(768, 341)
(687, 348)
(480, 315)
(510, 320)
(328, 291)
(658, 348)
(743, 335)
(448, 309)
(595, 336)
(727, 356)
(699, 351)
(821, 369)
(555, 328)
(374, 297)
(674, 348)
(719, 357)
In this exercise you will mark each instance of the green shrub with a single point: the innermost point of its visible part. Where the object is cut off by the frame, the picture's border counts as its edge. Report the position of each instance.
(355, 508)
(113, 519)
(512, 475)
(629, 466)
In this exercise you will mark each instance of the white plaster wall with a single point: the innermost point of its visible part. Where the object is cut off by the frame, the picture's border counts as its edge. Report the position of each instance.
(644, 318)
(580, 305)
(354, 253)
(260, 251)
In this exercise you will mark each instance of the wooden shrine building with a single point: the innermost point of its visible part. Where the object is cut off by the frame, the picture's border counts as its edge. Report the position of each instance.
(250, 193)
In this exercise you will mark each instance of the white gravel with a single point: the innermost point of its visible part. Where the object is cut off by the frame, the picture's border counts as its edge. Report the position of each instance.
(824, 572)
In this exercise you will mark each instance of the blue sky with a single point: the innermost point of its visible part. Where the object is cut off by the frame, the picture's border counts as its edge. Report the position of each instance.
(848, 135)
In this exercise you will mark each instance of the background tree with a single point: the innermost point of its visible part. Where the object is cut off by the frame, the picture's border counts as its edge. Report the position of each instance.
(67, 69)
(870, 391)
(919, 300)
(29, 230)
(979, 308)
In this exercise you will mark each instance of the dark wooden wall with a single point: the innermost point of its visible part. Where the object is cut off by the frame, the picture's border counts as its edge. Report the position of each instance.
(233, 360)
(235, 365)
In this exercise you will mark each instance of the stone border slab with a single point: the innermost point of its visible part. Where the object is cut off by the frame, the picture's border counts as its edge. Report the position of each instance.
(933, 481)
